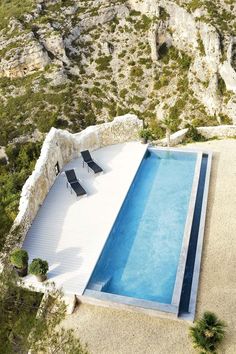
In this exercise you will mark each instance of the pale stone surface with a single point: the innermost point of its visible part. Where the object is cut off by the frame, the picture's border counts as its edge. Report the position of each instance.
(229, 76)
(230, 109)
(227, 72)
(220, 131)
(104, 15)
(149, 7)
(187, 33)
(61, 147)
(70, 232)
(152, 37)
(70, 302)
(185, 30)
(25, 59)
(3, 152)
(57, 77)
(55, 45)
(140, 333)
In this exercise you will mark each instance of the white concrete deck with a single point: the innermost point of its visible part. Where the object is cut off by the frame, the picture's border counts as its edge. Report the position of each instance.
(69, 232)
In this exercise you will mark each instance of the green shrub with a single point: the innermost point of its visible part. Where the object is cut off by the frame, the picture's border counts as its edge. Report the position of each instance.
(19, 258)
(103, 63)
(13, 8)
(38, 267)
(134, 13)
(207, 333)
(201, 45)
(123, 93)
(194, 5)
(224, 119)
(145, 133)
(193, 135)
(162, 81)
(136, 71)
(163, 14)
(136, 100)
(221, 86)
(144, 24)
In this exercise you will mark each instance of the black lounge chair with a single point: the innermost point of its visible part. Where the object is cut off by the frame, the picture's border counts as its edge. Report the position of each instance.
(74, 183)
(87, 158)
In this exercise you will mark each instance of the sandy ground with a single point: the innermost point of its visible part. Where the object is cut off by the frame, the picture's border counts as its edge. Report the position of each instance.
(110, 331)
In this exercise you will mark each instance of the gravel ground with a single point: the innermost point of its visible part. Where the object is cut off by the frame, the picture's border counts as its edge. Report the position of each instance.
(111, 331)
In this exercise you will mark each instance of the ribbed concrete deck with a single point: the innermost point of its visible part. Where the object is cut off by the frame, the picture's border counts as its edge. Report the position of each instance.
(69, 232)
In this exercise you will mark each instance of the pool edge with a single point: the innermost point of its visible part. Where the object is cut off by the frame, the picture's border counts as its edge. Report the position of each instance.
(171, 311)
(201, 233)
(187, 232)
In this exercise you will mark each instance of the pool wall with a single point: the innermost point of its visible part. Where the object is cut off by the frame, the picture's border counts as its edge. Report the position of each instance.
(152, 307)
(187, 232)
(198, 255)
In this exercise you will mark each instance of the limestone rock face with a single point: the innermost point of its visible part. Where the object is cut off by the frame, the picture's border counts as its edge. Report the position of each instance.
(148, 7)
(57, 77)
(153, 33)
(202, 42)
(53, 43)
(229, 76)
(107, 59)
(203, 74)
(204, 83)
(184, 27)
(24, 59)
(230, 109)
(104, 15)
(227, 71)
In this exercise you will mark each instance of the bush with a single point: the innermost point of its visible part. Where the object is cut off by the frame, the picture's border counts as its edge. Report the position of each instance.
(193, 135)
(145, 134)
(144, 24)
(38, 267)
(19, 258)
(103, 63)
(207, 333)
(136, 71)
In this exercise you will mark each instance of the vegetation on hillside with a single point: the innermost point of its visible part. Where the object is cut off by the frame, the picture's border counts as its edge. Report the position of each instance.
(14, 8)
(22, 330)
(13, 174)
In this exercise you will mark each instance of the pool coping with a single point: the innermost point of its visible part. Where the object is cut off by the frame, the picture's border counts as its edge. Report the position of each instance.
(156, 308)
(187, 232)
(201, 231)
(110, 299)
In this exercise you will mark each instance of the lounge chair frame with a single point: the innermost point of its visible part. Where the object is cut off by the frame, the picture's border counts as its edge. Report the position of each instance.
(90, 162)
(74, 183)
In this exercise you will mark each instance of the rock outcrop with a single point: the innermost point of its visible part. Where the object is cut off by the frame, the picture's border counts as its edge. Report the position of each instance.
(203, 43)
(227, 71)
(156, 58)
(24, 56)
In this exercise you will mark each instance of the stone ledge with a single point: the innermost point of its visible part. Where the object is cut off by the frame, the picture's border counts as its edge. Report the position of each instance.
(220, 131)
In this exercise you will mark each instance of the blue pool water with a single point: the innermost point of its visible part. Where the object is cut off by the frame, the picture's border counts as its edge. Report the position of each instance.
(141, 256)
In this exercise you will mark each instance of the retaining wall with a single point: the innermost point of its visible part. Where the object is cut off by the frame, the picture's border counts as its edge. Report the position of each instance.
(58, 149)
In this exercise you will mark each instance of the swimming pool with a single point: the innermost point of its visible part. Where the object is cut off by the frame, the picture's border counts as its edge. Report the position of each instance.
(145, 253)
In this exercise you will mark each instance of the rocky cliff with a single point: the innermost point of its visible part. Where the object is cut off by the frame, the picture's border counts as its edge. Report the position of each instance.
(70, 64)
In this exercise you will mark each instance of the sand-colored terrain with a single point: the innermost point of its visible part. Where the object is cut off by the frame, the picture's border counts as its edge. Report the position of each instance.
(111, 331)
